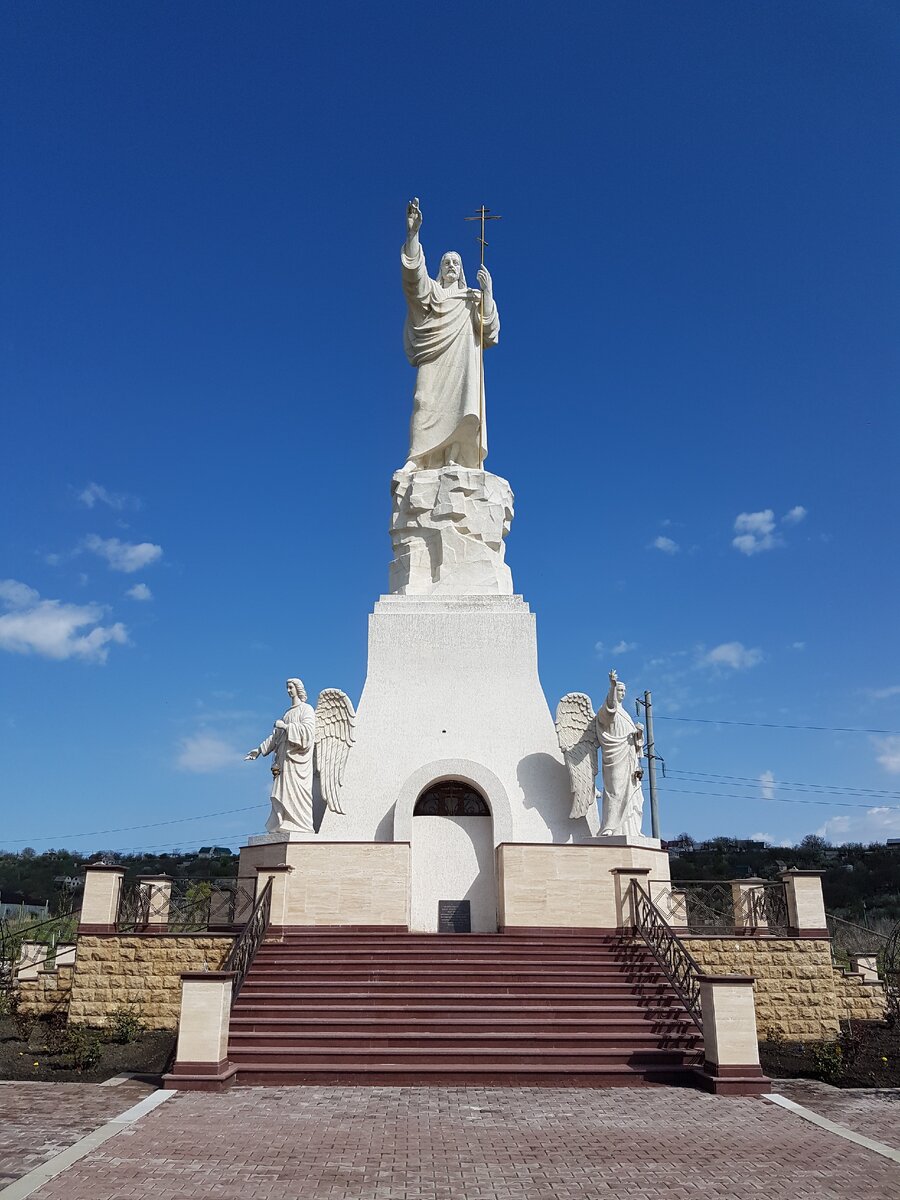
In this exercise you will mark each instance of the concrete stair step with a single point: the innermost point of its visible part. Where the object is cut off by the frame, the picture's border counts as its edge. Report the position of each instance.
(434, 1058)
(485, 1073)
(535, 1040)
(665, 1026)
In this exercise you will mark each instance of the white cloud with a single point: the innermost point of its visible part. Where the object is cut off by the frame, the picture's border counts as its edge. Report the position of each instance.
(53, 629)
(888, 756)
(767, 785)
(761, 837)
(123, 556)
(885, 693)
(734, 655)
(204, 753)
(623, 647)
(140, 591)
(798, 645)
(869, 825)
(96, 493)
(666, 544)
(756, 532)
(795, 516)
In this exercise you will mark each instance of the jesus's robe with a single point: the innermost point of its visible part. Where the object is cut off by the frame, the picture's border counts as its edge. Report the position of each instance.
(623, 799)
(442, 340)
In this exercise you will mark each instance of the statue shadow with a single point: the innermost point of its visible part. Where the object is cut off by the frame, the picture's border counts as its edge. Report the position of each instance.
(540, 776)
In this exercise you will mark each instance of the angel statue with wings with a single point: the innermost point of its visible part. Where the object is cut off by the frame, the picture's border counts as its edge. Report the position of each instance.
(581, 733)
(303, 740)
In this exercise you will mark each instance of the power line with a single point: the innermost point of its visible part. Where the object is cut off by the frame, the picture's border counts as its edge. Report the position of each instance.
(772, 725)
(782, 783)
(784, 800)
(129, 828)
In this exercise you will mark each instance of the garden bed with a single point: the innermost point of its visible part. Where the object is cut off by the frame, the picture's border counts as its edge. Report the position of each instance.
(866, 1054)
(48, 1053)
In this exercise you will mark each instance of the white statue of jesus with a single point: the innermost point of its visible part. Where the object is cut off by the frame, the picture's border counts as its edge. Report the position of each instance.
(442, 338)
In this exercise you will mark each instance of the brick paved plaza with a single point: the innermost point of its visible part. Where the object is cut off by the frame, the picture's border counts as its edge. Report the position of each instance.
(459, 1143)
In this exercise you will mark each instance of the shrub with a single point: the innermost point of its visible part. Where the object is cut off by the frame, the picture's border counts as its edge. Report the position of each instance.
(125, 1024)
(83, 1045)
(828, 1061)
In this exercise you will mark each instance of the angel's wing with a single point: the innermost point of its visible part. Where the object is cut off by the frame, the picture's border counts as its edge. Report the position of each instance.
(335, 734)
(577, 735)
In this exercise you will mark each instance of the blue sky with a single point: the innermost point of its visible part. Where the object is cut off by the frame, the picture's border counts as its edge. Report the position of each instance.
(205, 392)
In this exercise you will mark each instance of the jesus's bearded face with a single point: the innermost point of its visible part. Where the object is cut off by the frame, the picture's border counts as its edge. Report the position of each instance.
(451, 270)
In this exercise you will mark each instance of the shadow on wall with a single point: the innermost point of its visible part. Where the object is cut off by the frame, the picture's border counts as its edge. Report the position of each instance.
(539, 776)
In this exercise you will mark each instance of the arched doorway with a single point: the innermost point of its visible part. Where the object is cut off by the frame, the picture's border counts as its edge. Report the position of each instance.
(453, 880)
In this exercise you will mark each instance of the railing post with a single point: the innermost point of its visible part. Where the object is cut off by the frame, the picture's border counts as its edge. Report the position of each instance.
(623, 877)
(156, 893)
(805, 903)
(746, 899)
(102, 896)
(279, 876)
(201, 1056)
(865, 965)
(731, 1049)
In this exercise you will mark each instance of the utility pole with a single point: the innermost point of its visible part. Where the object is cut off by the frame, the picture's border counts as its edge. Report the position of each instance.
(650, 751)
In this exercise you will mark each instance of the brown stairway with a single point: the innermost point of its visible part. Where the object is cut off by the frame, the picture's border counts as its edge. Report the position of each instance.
(406, 1008)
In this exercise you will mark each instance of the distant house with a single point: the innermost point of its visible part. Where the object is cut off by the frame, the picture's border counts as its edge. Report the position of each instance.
(14, 904)
(214, 852)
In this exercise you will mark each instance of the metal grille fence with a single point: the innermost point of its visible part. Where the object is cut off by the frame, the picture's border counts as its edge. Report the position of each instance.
(184, 905)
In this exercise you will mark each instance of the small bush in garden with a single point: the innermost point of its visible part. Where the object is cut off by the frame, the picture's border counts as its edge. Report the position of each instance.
(83, 1044)
(125, 1024)
(828, 1061)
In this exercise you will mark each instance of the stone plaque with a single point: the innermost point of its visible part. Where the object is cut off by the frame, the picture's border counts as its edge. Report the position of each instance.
(454, 916)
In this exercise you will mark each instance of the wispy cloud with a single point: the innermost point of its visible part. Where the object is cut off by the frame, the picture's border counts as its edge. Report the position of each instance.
(767, 785)
(885, 693)
(52, 629)
(756, 532)
(666, 544)
(123, 556)
(871, 825)
(96, 493)
(140, 591)
(734, 656)
(204, 753)
(624, 647)
(888, 754)
(794, 516)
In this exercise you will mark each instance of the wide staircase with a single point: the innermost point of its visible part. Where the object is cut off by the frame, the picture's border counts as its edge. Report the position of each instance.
(405, 1008)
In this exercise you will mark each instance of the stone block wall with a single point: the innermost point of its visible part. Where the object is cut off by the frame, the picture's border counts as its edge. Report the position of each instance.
(858, 1000)
(795, 990)
(139, 970)
(49, 993)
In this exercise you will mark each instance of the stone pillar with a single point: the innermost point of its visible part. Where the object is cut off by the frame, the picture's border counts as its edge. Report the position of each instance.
(747, 918)
(280, 875)
(32, 956)
(101, 899)
(623, 877)
(156, 892)
(865, 965)
(731, 1049)
(805, 903)
(201, 1054)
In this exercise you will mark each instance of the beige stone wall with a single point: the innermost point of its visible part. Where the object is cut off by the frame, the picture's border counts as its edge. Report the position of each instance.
(858, 1000)
(568, 886)
(141, 971)
(47, 994)
(795, 982)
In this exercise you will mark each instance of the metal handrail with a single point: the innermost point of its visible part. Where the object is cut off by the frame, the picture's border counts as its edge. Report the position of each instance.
(678, 964)
(242, 953)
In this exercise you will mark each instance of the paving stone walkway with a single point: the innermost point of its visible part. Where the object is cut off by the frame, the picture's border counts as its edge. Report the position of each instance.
(38, 1120)
(471, 1144)
(873, 1112)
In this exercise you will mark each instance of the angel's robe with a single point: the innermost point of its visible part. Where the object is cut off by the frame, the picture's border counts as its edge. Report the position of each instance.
(623, 800)
(292, 771)
(442, 340)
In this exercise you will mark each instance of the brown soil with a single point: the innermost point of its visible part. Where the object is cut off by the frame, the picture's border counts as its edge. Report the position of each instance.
(867, 1054)
(148, 1055)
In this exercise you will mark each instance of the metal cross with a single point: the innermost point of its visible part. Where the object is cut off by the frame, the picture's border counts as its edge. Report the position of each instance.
(483, 214)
